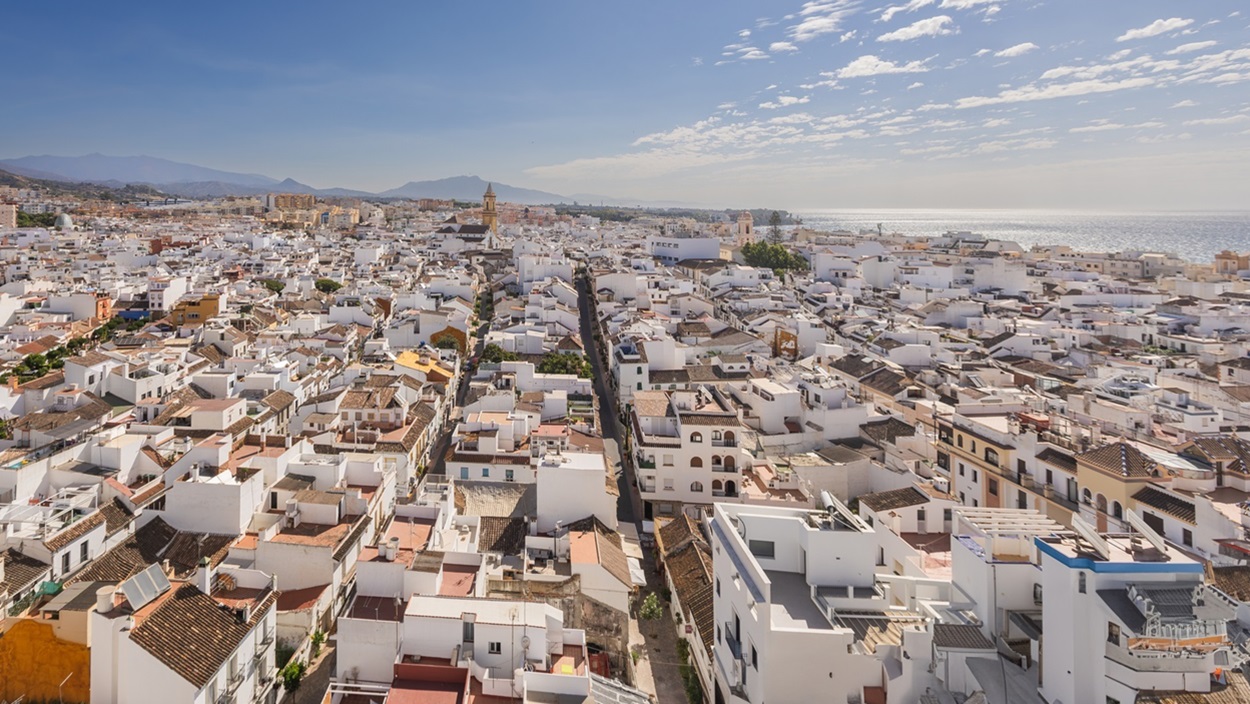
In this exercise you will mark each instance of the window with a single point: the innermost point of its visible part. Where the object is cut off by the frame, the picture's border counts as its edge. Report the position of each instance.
(696, 437)
(763, 548)
(920, 516)
(82, 552)
(974, 446)
(464, 473)
(668, 460)
(946, 515)
(508, 475)
(994, 487)
(718, 594)
(1187, 537)
(1050, 477)
(961, 469)
(485, 472)
(668, 485)
(495, 647)
(65, 563)
(639, 370)
(755, 657)
(1080, 582)
(959, 440)
(273, 500)
(640, 386)
(991, 456)
(696, 487)
(974, 476)
(696, 461)
(1113, 633)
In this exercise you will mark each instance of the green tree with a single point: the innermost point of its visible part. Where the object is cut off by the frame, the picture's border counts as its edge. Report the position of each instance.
(651, 609)
(774, 227)
(327, 285)
(447, 342)
(565, 363)
(773, 256)
(273, 285)
(292, 675)
(36, 363)
(494, 354)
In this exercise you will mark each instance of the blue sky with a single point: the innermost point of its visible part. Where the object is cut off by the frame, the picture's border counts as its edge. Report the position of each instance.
(832, 103)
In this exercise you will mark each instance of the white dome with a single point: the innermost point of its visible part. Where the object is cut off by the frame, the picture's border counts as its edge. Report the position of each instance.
(64, 221)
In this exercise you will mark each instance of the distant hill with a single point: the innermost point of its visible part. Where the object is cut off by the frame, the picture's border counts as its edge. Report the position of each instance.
(122, 193)
(126, 169)
(471, 188)
(191, 181)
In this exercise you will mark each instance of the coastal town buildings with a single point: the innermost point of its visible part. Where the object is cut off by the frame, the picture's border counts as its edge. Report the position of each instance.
(518, 452)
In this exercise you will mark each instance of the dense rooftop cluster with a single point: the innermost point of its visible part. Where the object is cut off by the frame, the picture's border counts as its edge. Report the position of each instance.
(476, 446)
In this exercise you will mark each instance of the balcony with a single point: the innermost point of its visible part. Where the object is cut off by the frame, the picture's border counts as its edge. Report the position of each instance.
(724, 443)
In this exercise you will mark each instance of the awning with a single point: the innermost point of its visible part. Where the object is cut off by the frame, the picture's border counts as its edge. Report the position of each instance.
(636, 574)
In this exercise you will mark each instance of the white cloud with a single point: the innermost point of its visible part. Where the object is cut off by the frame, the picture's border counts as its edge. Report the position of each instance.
(996, 122)
(785, 101)
(1110, 126)
(1032, 93)
(848, 36)
(819, 17)
(1186, 104)
(915, 85)
(697, 61)
(782, 47)
(1017, 50)
(1154, 29)
(1230, 120)
(870, 65)
(743, 34)
(888, 13)
(982, 52)
(931, 27)
(966, 4)
(726, 106)
(750, 53)
(1192, 46)
(1121, 54)
(1013, 144)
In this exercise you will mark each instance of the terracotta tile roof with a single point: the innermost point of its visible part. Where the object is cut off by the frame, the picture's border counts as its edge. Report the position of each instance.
(75, 531)
(608, 544)
(116, 516)
(677, 534)
(886, 431)
(1233, 580)
(897, 498)
(1057, 458)
(503, 535)
(1170, 504)
(152, 543)
(1122, 459)
(192, 635)
(690, 569)
(46, 381)
(961, 636)
(1229, 449)
(20, 571)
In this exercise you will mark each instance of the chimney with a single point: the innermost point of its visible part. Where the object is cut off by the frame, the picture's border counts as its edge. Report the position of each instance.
(204, 576)
(104, 599)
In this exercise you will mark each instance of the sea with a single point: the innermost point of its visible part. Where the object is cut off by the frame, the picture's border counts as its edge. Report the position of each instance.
(1193, 235)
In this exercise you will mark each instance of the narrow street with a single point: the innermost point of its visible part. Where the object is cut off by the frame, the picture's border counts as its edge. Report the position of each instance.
(629, 508)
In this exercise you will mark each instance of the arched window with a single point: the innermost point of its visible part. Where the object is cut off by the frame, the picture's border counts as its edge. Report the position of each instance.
(731, 489)
(991, 455)
(715, 435)
(1086, 497)
(729, 438)
(730, 462)
(718, 486)
(696, 487)
(696, 437)
(696, 461)
(716, 461)
(1117, 511)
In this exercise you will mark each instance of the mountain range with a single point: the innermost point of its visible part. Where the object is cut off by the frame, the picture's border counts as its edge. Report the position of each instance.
(192, 181)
